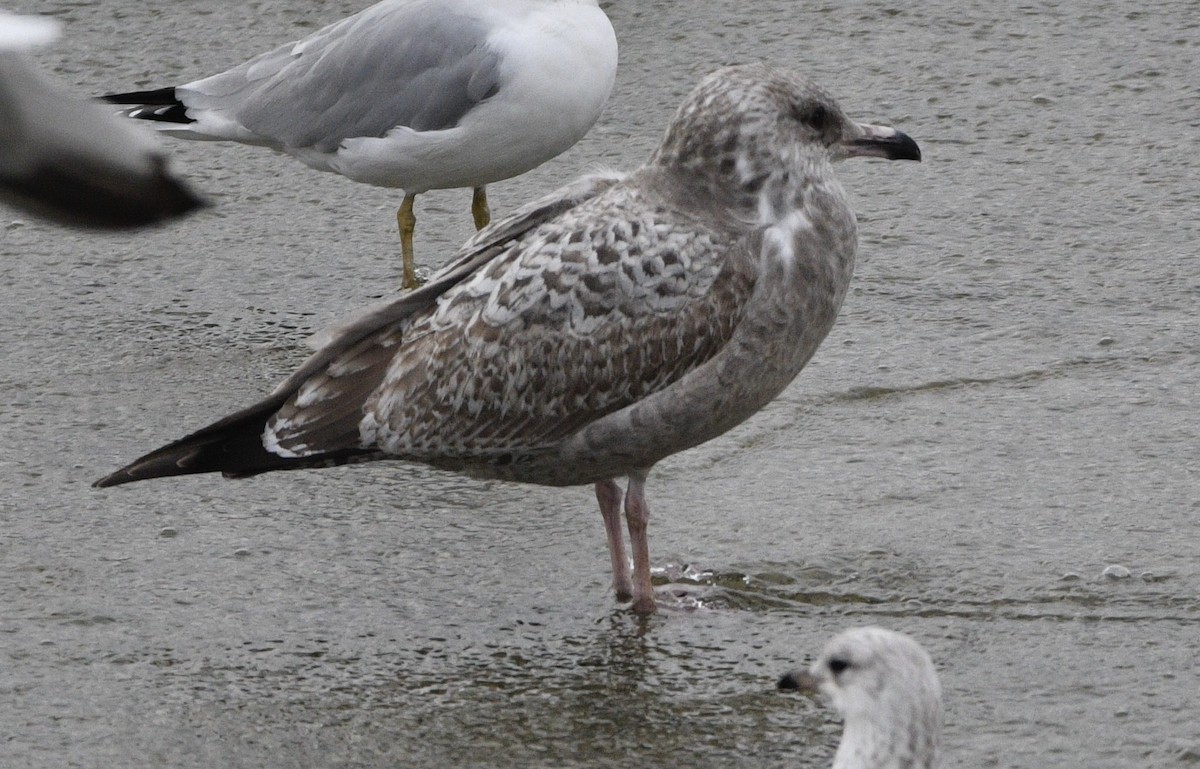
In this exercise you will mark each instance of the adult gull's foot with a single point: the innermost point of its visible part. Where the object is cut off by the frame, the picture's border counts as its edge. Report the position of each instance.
(415, 94)
(65, 158)
(884, 686)
(593, 332)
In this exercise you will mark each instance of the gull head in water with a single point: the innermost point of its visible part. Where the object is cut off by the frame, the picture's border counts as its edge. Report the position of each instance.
(885, 687)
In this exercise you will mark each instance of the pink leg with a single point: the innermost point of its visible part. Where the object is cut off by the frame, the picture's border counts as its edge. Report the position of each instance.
(608, 493)
(637, 514)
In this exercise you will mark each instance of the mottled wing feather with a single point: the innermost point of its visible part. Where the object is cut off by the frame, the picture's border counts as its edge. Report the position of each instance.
(332, 413)
(588, 313)
(353, 357)
(394, 57)
(477, 251)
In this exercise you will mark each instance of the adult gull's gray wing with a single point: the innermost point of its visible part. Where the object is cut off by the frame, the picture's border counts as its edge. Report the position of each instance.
(294, 96)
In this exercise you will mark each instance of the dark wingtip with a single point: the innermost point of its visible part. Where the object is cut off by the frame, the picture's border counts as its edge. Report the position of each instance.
(98, 196)
(158, 104)
(156, 96)
(174, 459)
(175, 197)
(233, 447)
(114, 479)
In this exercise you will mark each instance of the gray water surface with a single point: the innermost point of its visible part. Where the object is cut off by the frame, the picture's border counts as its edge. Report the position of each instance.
(1005, 410)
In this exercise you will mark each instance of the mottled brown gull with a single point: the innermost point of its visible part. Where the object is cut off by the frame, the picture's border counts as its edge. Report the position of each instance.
(884, 686)
(592, 333)
(415, 94)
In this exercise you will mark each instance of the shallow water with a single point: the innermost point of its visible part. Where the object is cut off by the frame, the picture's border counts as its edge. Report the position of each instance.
(1006, 409)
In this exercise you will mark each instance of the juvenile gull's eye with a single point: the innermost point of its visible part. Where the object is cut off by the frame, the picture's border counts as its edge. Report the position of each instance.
(813, 115)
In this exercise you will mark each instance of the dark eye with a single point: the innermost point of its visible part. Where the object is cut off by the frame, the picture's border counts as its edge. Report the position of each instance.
(838, 664)
(813, 115)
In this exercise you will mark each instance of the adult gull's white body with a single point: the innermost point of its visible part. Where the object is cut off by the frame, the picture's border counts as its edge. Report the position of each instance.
(887, 691)
(596, 331)
(66, 159)
(415, 94)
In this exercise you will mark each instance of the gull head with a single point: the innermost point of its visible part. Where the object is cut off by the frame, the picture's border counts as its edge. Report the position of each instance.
(750, 123)
(884, 686)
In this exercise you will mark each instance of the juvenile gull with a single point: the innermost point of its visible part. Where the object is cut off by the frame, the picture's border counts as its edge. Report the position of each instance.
(66, 159)
(415, 94)
(595, 331)
(884, 686)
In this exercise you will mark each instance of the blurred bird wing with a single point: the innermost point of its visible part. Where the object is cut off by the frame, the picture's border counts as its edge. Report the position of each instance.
(19, 32)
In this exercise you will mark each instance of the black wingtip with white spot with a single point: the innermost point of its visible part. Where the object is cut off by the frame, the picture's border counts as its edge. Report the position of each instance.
(159, 104)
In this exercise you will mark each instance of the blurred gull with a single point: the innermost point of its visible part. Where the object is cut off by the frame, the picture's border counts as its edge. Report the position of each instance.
(416, 94)
(597, 330)
(67, 159)
(884, 686)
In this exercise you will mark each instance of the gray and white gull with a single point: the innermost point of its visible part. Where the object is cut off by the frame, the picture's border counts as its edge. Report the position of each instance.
(885, 688)
(598, 330)
(415, 94)
(64, 158)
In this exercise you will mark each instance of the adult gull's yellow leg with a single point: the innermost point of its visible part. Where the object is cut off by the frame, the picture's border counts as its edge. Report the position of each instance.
(407, 221)
(479, 208)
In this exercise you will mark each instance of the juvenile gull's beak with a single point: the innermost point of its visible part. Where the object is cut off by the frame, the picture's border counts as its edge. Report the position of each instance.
(880, 141)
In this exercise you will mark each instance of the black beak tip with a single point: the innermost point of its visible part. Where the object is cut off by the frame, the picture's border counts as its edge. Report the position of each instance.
(788, 682)
(893, 145)
(905, 148)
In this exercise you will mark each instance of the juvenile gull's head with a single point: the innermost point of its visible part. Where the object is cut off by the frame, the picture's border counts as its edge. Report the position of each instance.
(884, 685)
(747, 122)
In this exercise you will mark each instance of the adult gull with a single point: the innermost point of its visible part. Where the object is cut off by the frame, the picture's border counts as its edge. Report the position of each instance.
(415, 94)
(65, 158)
(593, 332)
(885, 688)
